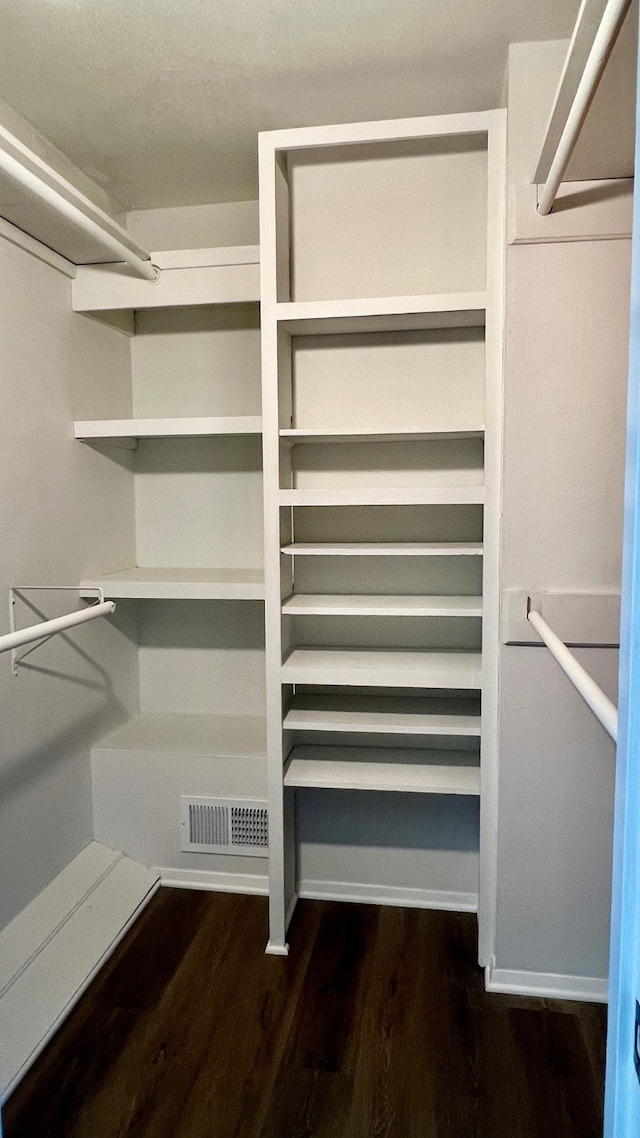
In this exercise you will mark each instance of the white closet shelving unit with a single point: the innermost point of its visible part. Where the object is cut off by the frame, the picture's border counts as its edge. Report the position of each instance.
(382, 251)
(190, 441)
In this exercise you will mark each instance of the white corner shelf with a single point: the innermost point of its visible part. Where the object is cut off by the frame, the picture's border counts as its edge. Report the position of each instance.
(132, 429)
(386, 496)
(294, 435)
(314, 604)
(383, 314)
(384, 549)
(151, 583)
(362, 668)
(217, 736)
(187, 278)
(383, 715)
(387, 769)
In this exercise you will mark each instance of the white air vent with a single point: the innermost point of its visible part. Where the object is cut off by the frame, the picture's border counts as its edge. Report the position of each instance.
(225, 825)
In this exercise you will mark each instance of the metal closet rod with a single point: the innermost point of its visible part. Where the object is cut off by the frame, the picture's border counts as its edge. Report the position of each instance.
(603, 44)
(48, 628)
(594, 696)
(121, 252)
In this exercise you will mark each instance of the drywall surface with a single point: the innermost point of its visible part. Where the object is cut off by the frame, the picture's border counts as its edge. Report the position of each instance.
(195, 227)
(565, 393)
(65, 511)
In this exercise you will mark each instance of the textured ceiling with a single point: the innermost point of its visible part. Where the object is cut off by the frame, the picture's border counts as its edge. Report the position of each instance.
(161, 100)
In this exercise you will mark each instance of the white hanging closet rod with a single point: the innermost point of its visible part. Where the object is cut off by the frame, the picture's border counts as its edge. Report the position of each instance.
(19, 172)
(18, 637)
(603, 43)
(599, 703)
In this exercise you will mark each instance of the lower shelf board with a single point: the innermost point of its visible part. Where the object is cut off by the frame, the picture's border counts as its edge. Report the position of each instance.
(331, 604)
(217, 736)
(383, 715)
(154, 583)
(384, 668)
(381, 768)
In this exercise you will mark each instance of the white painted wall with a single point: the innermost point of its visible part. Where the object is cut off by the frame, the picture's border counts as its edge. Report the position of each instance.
(65, 511)
(565, 389)
(195, 227)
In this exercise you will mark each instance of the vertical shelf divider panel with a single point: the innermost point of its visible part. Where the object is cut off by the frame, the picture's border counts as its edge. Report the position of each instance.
(447, 297)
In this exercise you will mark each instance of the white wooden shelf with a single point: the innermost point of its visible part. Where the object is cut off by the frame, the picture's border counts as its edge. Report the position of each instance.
(383, 715)
(294, 435)
(217, 736)
(152, 583)
(383, 314)
(385, 549)
(385, 496)
(132, 429)
(314, 604)
(379, 768)
(188, 277)
(362, 668)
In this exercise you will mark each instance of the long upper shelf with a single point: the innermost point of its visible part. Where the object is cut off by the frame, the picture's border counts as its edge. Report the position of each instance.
(152, 583)
(131, 429)
(187, 278)
(383, 314)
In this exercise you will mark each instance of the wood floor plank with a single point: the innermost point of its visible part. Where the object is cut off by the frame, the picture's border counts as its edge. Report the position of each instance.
(376, 1026)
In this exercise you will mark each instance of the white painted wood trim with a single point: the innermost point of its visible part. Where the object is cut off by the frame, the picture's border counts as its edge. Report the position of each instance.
(385, 496)
(385, 549)
(388, 895)
(36, 248)
(205, 258)
(309, 604)
(101, 288)
(57, 945)
(492, 531)
(546, 985)
(386, 130)
(583, 211)
(218, 882)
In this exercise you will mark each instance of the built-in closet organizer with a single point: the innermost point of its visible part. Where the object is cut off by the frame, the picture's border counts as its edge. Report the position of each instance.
(382, 293)
(190, 442)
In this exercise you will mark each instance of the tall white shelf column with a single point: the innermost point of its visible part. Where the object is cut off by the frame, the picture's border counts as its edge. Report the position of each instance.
(450, 172)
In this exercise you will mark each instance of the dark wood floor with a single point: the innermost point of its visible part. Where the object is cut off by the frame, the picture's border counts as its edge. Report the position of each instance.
(376, 1026)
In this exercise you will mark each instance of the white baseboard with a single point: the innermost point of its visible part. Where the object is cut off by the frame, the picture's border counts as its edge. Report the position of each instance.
(549, 985)
(215, 882)
(389, 895)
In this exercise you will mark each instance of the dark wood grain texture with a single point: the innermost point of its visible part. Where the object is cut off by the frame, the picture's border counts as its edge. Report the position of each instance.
(376, 1026)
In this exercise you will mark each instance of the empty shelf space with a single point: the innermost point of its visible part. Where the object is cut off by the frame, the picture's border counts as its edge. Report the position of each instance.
(180, 584)
(106, 429)
(296, 435)
(311, 604)
(383, 314)
(385, 549)
(216, 735)
(383, 715)
(385, 496)
(364, 668)
(380, 768)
